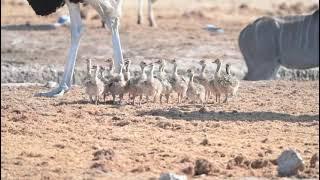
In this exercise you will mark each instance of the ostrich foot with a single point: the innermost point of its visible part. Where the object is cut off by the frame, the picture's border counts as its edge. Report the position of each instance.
(59, 91)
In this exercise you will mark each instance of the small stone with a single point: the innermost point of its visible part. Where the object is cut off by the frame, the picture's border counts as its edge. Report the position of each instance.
(239, 159)
(172, 176)
(188, 170)
(95, 147)
(289, 162)
(243, 6)
(202, 166)
(115, 118)
(51, 84)
(273, 161)
(122, 123)
(103, 154)
(140, 169)
(259, 163)
(269, 151)
(203, 109)
(185, 159)
(265, 140)
(247, 163)
(160, 118)
(164, 125)
(99, 166)
(19, 163)
(205, 142)
(307, 151)
(314, 161)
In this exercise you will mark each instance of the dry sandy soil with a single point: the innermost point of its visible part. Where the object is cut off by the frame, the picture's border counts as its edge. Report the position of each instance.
(62, 138)
(180, 35)
(68, 138)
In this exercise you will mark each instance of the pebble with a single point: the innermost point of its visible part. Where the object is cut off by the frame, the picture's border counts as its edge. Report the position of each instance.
(172, 176)
(289, 162)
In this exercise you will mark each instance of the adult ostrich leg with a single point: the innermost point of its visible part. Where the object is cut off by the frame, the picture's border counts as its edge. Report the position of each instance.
(110, 12)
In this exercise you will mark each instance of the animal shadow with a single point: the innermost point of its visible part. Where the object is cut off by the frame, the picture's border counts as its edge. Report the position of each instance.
(177, 113)
(28, 27)
(85, 102)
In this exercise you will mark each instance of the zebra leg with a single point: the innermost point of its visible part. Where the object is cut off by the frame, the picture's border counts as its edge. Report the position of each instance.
(152, 22)
(96, 98)
(167, 97)
(140, 12)
(226, 98)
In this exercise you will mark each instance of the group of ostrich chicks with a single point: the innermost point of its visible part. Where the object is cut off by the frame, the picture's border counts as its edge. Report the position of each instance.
(101, 81)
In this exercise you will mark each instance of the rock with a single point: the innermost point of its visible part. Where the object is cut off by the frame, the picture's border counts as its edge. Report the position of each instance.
(264, 140)
(51, 84)
(202, 167)
(172, 176)
(99, 166)
(243, 6)
(259, 163)
(289, 162)
(103, 154)
(189, 170)
(141, 169)
(268, 151)
(185, 159)
(247, 163)
(213, 28)
(273, 161)
(283, 6)
(203, 109)
(164, 124)
(234, 112)
(63, 20)
(190, 14)
(314, 161)
(115, 118)
(205, 142)
(239, 159)
(122, 123)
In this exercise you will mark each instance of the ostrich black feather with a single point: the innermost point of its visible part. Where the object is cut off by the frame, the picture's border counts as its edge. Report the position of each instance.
(45, 7)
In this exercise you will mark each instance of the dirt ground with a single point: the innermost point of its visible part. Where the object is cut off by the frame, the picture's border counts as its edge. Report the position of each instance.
(60, 138)
(68, 138)
(180, 34)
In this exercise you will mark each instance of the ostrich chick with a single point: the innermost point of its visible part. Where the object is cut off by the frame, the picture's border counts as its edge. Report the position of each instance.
(234, 83)
(203, 79)
(225, 83)
(152, 87)
(127, 74)
(133, 86)
(94, 86)
(195, 91)
(116, 85)
(166, 86)
(178, 83)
